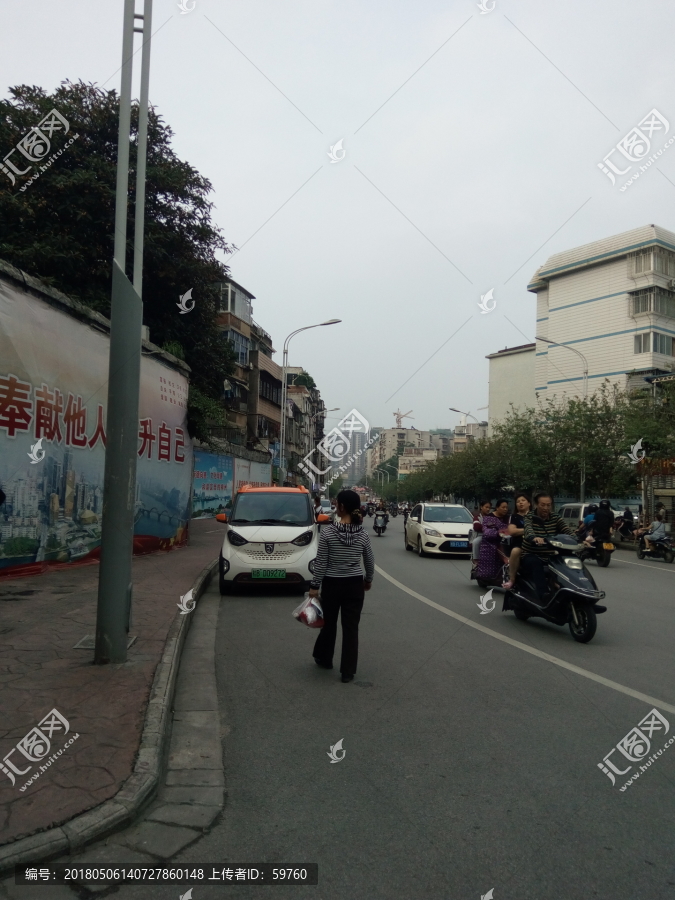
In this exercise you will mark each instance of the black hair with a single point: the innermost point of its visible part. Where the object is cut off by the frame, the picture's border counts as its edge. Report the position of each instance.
(522, 494)
(483, 502)
(502, 500)
(540, 494)
(351, 503)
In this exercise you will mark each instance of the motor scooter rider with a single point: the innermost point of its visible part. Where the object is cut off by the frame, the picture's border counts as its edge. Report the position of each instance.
(603, 522)
(535, 552)
(656, 531)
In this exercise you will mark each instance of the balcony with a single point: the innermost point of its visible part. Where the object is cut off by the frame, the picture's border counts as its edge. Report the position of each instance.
(225, 433)
(652, 300)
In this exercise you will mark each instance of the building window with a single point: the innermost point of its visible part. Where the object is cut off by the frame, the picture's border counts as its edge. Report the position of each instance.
(653, 300)
(642, 342)
(663, 343)
(240, 344)
(656, 259)
(270, 390)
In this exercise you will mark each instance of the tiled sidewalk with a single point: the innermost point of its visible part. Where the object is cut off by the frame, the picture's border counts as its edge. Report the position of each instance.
(41, 620)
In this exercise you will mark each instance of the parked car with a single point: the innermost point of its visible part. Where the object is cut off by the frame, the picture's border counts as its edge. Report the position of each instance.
(439, 528)
(271, 538)
(326, 508)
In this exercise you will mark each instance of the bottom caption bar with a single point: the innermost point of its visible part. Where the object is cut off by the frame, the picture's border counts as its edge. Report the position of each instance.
(216, 873)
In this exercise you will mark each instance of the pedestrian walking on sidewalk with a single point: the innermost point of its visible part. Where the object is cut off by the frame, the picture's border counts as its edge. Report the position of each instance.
(338, 572)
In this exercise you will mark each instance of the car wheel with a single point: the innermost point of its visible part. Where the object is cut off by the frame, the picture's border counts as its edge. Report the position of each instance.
(420, 551)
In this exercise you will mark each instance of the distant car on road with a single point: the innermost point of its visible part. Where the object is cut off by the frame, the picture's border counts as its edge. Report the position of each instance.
(439, 528)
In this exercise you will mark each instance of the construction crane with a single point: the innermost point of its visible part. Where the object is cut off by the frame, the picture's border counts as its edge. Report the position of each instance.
(399, 416)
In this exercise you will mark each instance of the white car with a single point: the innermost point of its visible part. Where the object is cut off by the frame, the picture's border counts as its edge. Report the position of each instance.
(439, 528)
(271, 538)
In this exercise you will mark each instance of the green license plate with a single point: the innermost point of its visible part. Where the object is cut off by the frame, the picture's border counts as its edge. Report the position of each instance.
(268, 573)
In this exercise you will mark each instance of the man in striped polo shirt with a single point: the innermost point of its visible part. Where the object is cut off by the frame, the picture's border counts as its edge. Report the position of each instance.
(535, 551)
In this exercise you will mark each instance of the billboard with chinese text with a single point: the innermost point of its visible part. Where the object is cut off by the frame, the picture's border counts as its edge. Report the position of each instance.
(53, 399)
(212, 483)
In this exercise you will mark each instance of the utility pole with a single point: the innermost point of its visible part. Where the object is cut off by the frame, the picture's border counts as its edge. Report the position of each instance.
(124, 368)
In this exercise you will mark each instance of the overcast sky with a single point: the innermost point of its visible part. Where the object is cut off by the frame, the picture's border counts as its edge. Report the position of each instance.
(481, 165)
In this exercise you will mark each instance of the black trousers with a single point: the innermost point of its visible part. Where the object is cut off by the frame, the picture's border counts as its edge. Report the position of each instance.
(532, 566)
(345, 596)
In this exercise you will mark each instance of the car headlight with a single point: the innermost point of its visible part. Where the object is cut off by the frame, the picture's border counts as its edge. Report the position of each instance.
(310, 565)
(236, 539)
(572, 562)
(432, 532)
(303, 539)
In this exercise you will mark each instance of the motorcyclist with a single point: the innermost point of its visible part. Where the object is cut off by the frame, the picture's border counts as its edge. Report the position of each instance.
(535, 551)
(382, 510)
(604, 522)
(586, 527)
(656, 531)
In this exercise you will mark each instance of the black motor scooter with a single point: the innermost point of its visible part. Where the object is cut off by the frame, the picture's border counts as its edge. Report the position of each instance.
(601, 551)
(574, 594)
(661, 549)
(380, 523)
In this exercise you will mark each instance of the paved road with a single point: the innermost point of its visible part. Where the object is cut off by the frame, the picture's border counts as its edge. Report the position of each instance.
(471, 753)
(470, 763)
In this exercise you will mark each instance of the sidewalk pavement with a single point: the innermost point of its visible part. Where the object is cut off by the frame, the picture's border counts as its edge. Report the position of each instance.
(40, 623)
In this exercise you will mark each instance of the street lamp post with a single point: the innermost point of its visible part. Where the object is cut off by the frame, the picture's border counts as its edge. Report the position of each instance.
(284, 364)
(113, 613)
(388, 466)
(582, 487)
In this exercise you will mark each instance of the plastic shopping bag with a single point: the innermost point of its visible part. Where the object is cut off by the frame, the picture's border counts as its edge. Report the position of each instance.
(309, 612)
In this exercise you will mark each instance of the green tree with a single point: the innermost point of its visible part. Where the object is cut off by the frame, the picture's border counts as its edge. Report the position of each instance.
(61, 228)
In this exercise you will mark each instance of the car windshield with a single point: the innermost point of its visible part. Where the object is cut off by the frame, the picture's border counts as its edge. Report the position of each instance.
(447, 514)
(325, 504)
(273, 508)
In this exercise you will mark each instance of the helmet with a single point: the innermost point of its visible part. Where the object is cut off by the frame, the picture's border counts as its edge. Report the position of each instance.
(593, 508)
(604, 504)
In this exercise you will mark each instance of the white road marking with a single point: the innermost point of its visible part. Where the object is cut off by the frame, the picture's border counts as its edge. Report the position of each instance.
(645, 566)
(652, 701)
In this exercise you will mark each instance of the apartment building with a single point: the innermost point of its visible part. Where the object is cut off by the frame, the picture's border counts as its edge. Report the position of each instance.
(466, 432)
(511, 386)
(252, 394)
(613, 301)
(392, 442)
(414, 459)
(305, 418)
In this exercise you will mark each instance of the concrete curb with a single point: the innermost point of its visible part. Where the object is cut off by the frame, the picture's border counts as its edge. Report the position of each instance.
(141, 786)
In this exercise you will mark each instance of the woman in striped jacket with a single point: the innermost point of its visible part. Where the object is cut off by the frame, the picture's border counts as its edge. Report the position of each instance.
(338, 572)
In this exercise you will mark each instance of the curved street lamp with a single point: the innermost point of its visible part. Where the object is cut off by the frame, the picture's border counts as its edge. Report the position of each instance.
(537, 337)
(284, 364)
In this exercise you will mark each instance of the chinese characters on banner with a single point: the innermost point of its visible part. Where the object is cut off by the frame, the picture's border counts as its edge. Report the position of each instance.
(53, 389)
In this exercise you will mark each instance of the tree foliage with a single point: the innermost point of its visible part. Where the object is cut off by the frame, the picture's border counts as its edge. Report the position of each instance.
(544, 448)
(61, 228)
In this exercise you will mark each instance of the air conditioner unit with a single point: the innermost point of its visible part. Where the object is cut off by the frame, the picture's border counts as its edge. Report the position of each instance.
(671, 284)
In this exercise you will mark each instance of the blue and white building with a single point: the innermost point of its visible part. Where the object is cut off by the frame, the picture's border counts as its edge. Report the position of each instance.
(614, 302)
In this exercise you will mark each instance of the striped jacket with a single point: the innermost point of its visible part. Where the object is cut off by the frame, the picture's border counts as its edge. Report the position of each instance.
(339, 555)
(552, 526)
